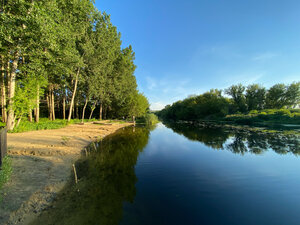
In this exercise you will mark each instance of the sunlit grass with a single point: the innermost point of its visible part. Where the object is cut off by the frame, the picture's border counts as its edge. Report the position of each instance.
(278, 116)
(44, 124)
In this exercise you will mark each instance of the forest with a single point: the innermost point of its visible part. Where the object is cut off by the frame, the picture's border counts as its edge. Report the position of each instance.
(239, 103)
(64, 59)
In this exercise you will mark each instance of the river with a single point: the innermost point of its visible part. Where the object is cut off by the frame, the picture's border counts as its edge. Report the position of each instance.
(180, 174)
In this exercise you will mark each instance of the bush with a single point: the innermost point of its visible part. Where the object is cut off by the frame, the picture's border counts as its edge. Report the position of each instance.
(150, 119)
(253, 112)
(44, 124)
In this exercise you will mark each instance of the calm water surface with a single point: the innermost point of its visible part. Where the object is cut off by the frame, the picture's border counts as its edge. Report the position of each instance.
(184, 175)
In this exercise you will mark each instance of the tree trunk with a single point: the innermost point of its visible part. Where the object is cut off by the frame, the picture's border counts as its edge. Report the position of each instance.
(30, 115)
(58, 108)
(101, 111)
(53, 105)
(11, 94)
(64, 107)
(3, 93)
(19, 120)
(93, 108)
(77, 110)
(104, 112)
(49, 105)
(73, 95)
(73, 112)
(83, 111)
(37, 110)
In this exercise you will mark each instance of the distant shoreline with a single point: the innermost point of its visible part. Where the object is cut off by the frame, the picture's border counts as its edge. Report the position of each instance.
(268, 127)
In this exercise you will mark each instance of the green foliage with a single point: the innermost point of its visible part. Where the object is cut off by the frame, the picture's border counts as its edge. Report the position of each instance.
(238, 96)
(149, 119)
(246, 106)
(280, 116)
(65, 49)
(210, 105)
(276, 97)
(255, 97)
(44, 124)
(138, 105)
(292, 95)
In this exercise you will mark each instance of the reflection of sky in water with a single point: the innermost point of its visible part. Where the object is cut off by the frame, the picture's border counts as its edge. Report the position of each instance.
(199, 184)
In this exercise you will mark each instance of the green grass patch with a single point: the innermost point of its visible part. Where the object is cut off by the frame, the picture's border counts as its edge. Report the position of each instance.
(117, 121)
(5, 172)
(44, 124)
(276, 116)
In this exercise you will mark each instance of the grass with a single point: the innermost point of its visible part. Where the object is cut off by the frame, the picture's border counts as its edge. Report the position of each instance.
(5, 172)
(117, 121)
(44, 124)
(275, 116)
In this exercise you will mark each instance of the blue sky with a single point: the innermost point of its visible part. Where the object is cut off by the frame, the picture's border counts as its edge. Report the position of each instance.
(186, 47)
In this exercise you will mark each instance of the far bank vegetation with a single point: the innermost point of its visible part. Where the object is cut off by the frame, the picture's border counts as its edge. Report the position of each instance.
(238, 103)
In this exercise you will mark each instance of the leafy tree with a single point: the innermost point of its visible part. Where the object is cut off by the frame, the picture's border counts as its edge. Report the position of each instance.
(255, 97)
(212, 105)
(292, 95)
(63, 51)
(275, 98)
(238, 96)
(137, 105)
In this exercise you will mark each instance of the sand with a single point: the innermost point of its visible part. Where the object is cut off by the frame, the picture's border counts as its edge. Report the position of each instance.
(42, 164)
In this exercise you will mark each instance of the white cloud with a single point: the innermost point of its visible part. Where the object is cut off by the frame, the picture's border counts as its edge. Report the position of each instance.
(264, 56)
(157, 105)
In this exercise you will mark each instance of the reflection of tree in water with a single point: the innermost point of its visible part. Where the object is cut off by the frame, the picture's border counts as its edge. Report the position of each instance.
(283, 144)
(243, 141)
(107, 180)
(212, 137)
(238, 144)
(257, 143)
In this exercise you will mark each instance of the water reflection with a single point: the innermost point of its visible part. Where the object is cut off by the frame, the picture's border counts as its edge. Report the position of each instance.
(240, 141)
(106, 180)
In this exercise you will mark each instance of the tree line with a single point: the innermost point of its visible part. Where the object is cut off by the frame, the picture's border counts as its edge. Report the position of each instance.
(65, 56)
(235, 99)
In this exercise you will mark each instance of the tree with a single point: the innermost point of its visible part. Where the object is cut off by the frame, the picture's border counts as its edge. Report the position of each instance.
(62, 51)
(238, 96)
(255, 97)
(275, 98)
(292, 95)
(138, 105)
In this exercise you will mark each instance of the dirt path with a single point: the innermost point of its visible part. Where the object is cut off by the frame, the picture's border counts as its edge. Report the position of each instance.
(42, 162)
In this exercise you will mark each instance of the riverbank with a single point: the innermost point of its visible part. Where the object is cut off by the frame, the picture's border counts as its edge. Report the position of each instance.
(264, 127)
(42, 163)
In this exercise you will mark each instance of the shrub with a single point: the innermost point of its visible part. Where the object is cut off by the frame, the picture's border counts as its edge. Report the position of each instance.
(149, 119)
